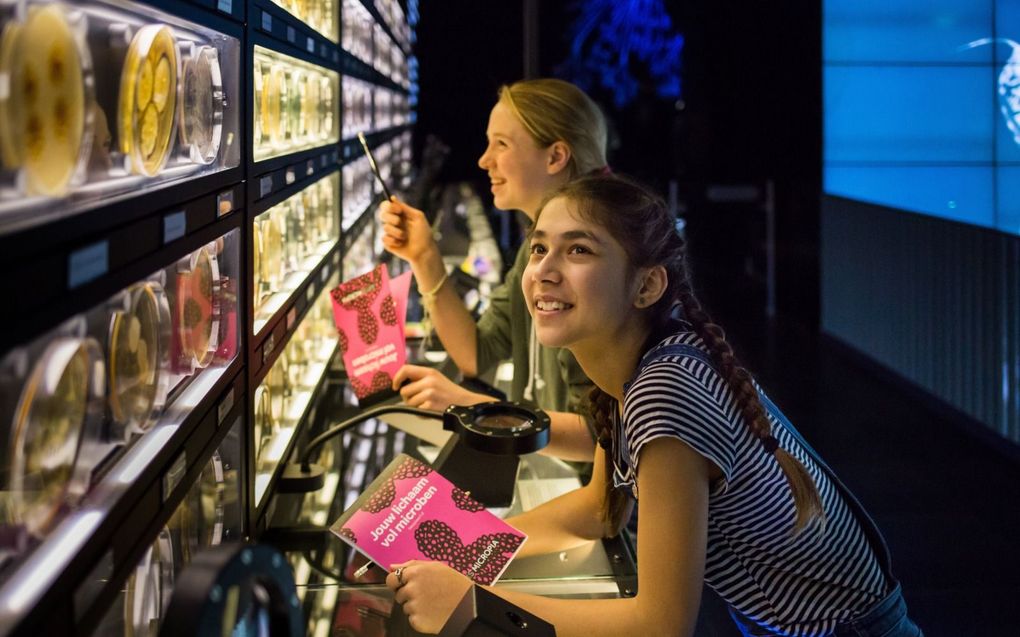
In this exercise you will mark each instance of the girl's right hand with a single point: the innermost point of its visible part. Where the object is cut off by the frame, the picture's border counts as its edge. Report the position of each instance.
(406, 231)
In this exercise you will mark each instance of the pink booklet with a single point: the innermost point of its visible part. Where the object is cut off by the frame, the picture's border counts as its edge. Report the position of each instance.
(369, 317)
(410, 512)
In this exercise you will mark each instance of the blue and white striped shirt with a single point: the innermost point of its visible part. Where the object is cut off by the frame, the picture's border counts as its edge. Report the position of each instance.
(799, 584)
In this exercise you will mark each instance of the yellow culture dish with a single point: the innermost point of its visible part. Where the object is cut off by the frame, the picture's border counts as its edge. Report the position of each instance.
(44, 129)
(63, 391)
(148, 99)
(139, 349)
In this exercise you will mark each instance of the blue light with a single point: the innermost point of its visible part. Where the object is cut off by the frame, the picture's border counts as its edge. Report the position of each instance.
(610, 38)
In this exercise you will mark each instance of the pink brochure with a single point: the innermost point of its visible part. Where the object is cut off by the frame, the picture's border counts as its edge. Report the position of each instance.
(370, 330)
(410, 512)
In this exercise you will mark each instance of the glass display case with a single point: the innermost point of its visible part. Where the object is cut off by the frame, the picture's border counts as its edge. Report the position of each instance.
(295, 104)
(209, 515)
(74, 399)
(321, 15)
(101, 99)
(288, 241)
(357, 111)
(140, 421)
(359, 191)
(282, 398)
(356, 30)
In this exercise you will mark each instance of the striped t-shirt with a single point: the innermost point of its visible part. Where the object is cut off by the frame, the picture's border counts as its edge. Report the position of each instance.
(791, 584)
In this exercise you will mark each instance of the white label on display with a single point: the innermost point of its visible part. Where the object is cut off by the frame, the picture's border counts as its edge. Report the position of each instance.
(88, 263)
(175, 226)
(265, 185)
(310, 293)
(226, 6)
(217, 534)
(291, 35)
(291, 317)
(324, 51)
(323, 160)
(267, 22)
(174, 475)
(224, 407)
(289, 176)
(310, 167)
(336, 258)
(310, 45)
(324, 274)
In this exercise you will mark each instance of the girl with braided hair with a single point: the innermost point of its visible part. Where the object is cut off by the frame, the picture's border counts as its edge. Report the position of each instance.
(731, 495)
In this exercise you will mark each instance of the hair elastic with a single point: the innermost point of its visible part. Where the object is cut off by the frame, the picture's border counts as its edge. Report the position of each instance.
(770, 444)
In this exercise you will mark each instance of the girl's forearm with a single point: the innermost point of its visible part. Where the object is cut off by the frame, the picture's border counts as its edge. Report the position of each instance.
(560, 524)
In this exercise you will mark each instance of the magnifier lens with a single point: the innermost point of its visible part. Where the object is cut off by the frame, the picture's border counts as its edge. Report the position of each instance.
(510, 422)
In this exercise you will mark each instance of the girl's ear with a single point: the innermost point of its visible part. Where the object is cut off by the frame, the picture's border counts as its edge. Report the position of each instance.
(654, 281)
(558, 155)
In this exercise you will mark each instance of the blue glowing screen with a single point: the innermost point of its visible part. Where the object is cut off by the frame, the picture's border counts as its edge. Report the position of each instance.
(922, 106)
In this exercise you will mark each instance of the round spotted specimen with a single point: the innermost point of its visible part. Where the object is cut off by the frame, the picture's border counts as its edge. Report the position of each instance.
(411, 468)
(381, 498)
(463, 501)
(368, 327)
(344, 341)
(368, 287)
(349, 535)
(437, 541)
(380, 382)
(388, 311)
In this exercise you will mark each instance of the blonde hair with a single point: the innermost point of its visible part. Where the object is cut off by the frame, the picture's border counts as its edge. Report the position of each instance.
(553, 110)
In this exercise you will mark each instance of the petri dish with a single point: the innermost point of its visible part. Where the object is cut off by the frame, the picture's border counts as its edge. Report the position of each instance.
(148, 589)
(202, 105)
(196, 315)
(139, 351)
(44, 126)
(148, 99)
(57, 410)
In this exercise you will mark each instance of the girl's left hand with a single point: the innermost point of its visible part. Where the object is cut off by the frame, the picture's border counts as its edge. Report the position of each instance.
(429, 593)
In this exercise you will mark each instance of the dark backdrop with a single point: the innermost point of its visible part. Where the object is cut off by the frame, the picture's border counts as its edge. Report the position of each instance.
(750, 111)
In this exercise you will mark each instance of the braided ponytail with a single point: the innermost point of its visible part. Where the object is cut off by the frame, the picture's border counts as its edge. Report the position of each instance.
(615, 503)
(642, 225)
(738, 379)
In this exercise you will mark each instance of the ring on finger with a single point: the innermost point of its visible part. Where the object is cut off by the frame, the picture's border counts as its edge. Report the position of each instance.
(400, 576)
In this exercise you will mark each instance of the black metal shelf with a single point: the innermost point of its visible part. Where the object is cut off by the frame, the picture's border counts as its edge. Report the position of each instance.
(65, 278)
(355, 67)
(259, 518)
(274, 27)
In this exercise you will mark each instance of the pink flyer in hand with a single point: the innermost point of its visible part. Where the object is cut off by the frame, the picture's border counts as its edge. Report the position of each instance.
(371, 332)
(410, 512)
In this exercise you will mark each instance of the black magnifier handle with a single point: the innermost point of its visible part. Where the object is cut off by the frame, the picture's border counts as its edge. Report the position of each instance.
(375, 167)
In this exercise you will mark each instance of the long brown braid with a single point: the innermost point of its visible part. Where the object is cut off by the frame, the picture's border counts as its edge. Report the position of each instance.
(642, 225)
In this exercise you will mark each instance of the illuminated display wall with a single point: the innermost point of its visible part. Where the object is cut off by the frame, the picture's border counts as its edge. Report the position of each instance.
(922, 106)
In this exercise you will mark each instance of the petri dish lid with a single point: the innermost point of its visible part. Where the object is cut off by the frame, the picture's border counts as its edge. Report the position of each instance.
(138, 357)
(59, 407)
(202, 105)
(148, 99)
(197, 312)
(45, 128)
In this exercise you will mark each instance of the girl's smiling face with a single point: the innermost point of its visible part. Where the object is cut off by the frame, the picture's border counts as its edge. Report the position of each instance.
(521, 173)
(579, 284)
